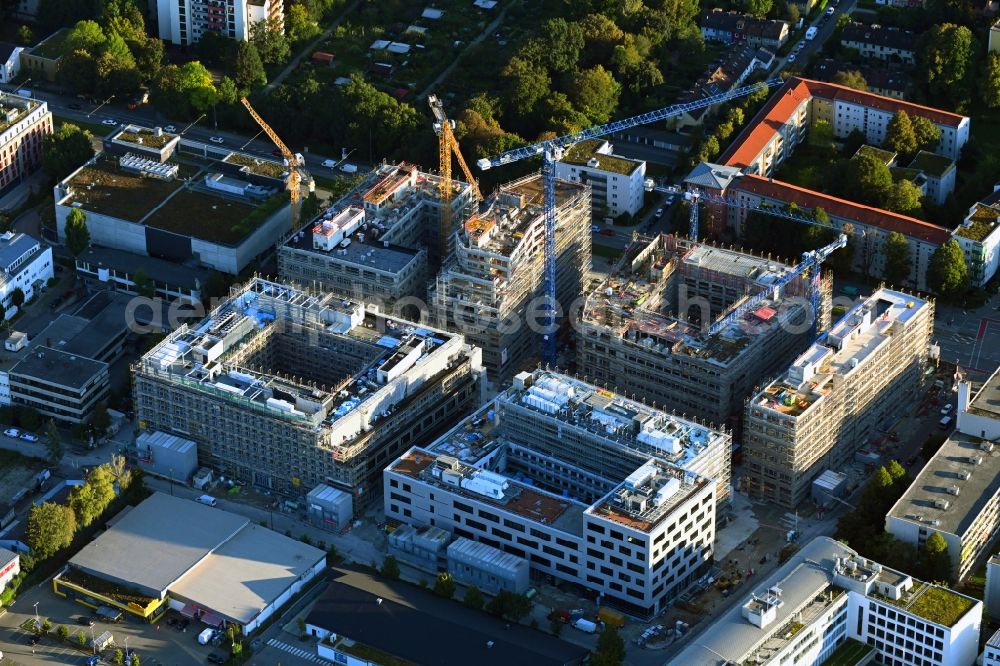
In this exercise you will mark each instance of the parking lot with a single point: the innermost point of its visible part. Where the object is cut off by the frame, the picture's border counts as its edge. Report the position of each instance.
(157, 645)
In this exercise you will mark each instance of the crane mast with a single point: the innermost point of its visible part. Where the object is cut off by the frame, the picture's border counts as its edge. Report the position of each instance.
(448, 146)
(294, 175)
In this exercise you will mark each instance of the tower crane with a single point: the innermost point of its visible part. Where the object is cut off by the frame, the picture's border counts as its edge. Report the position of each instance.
(297, 172)
(811, 261)
(448, 146)
(552, 150)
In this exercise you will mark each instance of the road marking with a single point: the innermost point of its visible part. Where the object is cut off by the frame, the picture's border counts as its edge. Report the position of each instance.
(298, 652)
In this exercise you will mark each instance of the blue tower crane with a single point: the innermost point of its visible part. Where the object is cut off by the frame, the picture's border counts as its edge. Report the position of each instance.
(551, 151)
(811, 261)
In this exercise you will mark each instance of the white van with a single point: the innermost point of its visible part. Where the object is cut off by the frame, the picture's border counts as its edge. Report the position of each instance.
(207, 500)
(347, 167)
(811, 33)
(329, 164)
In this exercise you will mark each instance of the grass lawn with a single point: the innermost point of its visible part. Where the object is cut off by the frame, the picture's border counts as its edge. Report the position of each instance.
(96, 129)
(849, 653)
(605, 251)
(808, 170)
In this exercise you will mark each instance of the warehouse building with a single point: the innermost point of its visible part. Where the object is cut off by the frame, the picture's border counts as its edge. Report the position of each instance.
(836, 396)
(284, 390)
(207, 563)
(585, 485)
(827, 604)
(643, 331)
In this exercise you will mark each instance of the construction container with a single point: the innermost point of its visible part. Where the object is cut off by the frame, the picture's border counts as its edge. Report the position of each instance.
(329, 508)
(611, 617)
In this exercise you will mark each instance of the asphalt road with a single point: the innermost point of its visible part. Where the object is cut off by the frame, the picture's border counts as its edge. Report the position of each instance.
(825, 25)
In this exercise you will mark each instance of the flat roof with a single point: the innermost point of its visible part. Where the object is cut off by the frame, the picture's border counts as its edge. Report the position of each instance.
(412, 624)
(987, 400)
(944, 472)
(160, 270)
(158, 542)
(932, 164)
(59, 367)
(248, 572)
(584, 151)
(377, 255)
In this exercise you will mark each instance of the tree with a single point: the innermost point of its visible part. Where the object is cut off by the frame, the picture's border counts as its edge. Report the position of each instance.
(248, 67)
(148, 57)
(122, 18)
(78, 72)
(948, 274)
(76, 232)
(53, 443)
(46, 625)
(990, 84)
(143, 284)
(118, 658)
(86, 36)
(84, 504)
(595, 92)
(197, 82)
(50, 529)
(228, 92)
(946, 54)
(299, 25)
(62, 632)
(934, 559)
(709, 149)
(474, 598)
(601, 35)
(899, 134)
(610, 646)
(65, 150)
(25, 35)
(905, 198)
(17, 297)
(794, 14)
(851, 78)
(81, 638)
(868, 178)
(444, 585)
(390, 568)
(269, 38)
(927, 133)
(525, 83)
(897, 258)
(510, 606)
(559, 45)
(759, 7)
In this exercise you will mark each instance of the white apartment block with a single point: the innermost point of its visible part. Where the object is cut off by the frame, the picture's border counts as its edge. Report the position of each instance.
(25, 264)
(957, 494)
(827, 601)
(186, 21)
(23, 124)
(588, 487)
(979, 238)
(836, 396)
(991, 654)
(616, 182)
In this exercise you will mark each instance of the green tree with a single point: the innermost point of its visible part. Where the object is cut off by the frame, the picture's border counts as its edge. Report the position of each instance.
(474, 598)
(900, 135)
(269, 38)
(50, 529)
(46, 625)
(868, 179)
(62, 632)
(905, 198)
(76, 232)
(379, 119)
(610, 646)
(122, 18)
(794, 14)
(390, 568)
(935, 560)
(17, 297)
(53, 443)
(84, 504)
(299, 25)
(709, 149)
(148, 54)
(927, 133)
(559, 45)
(25, 35)
(851, 78)
(65, 150)
(524, 83)
(78, 72)
(601, 35)
(118, 658)
(759, 7)
(81, 638)
(444, 585)
(510, 606)
(595, 92)
(143, 284)
(946, 56)
(896, 250)
(948, 274)
(86, 36)
(249, 70)
(990, 85)
(228, 92)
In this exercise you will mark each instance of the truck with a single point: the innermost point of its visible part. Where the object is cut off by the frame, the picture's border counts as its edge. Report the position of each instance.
(811, 33)
(610, 617)
(586, 626)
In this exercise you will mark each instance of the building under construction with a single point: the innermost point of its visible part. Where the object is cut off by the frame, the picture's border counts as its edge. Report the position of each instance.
(284, 390)
(845, 390)
(643, 331)
(372, 245)
(489, 286)
(587, 486)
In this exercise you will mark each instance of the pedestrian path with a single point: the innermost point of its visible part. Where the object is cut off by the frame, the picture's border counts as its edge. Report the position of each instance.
(298, 652)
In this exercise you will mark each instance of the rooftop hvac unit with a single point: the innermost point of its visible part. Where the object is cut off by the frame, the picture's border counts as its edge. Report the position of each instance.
(976, 460)
(965, 475)
(953, 490)
(942, 504)
(987, 447)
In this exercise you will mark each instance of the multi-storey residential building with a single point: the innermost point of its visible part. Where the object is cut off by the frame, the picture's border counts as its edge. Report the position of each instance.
(641, 332)
(729, 27)
(880, 43)
(372, 244)
(885, 79)
(827, 604)
(734, 69)
(23, 124)
(25, 264)
(616, 183)
(957, 493)
(186, 21)
(284, 390)
(579, 482)
(939, 174)
(836, 396)
(979, 237)
(10, 61)
(492, 287)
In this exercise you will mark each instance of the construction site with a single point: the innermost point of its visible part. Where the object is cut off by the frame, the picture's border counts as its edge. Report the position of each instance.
(842, 392)
(668, 326)
(493, 280)
(586, 485)
(285, 390)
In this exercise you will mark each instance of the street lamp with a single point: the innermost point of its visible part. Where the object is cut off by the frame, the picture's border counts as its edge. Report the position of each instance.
(38, 624)
(192, 124)
(99, 106)
(251, 140)
(170, 480)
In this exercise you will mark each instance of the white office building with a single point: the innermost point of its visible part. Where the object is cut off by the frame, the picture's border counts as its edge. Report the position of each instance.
(829, 603)
(616, 182)
(186, 21)
(25, 264)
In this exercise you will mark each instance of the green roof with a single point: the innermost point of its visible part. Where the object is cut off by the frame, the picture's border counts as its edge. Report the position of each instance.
(904, 173)
(850, 653)
(982, 222)
(884, 156)
(931, 163)
(52, 47)
(145, 137)
(937, 604)
(582, 152)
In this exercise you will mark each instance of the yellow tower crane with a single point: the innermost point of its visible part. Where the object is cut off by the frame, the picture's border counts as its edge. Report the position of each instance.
(448, 146)
(295, 163)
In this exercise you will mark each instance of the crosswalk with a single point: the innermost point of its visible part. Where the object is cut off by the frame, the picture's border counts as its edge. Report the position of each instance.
(298, 652)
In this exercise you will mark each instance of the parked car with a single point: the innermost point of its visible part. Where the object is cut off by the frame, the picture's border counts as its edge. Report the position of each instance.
(608, 232)
(111, 122)
(659, 213)
(74, 106)
(28, 437)
(85, 620)
(215, 658)
(216, 139)
(595, 228)
(829, 11)
(170, 128)
(12, 432)
(329, 164)
(791, 58)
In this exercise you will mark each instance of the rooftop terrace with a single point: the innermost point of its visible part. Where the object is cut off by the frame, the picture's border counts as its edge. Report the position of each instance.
(13, 109)
(144, 136)
(980, 223)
